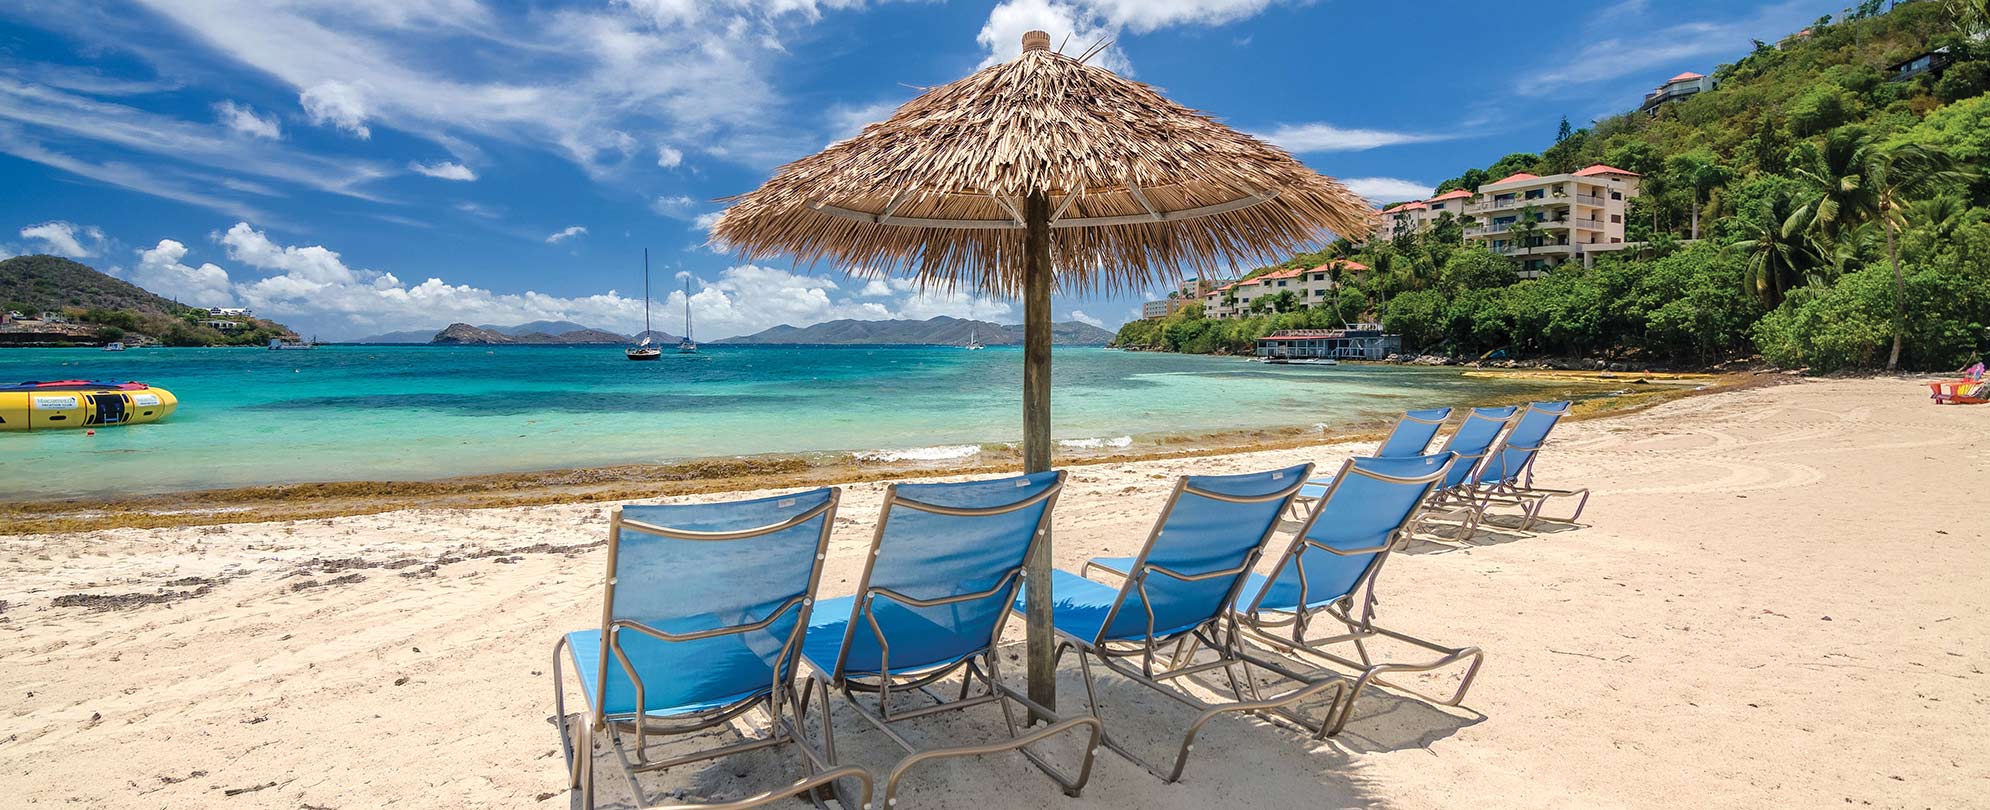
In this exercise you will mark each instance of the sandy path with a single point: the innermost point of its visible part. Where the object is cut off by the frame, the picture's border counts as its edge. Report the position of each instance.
(1777, 598)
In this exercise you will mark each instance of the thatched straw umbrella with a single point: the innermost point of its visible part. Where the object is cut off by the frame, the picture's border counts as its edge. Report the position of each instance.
(1043, 162)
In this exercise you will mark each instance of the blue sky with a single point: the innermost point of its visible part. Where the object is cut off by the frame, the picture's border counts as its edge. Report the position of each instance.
(360, 166)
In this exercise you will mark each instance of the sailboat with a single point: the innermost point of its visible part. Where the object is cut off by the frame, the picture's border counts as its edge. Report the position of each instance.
(972, 344)
(687, 345)
(643, 350)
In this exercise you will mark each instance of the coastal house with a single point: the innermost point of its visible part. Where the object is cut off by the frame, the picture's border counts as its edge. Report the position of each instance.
(1415, 216)
(1575, 215)
(1310, 287)
(228, 312)
(1677, 88)
(222, 325)
(1358, 341)
(1927, 63)
(1191, 291)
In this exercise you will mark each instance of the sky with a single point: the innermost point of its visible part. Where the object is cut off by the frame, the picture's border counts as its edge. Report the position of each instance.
(350, 167)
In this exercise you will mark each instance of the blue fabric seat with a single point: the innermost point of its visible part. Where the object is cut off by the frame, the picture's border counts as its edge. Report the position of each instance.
(1412, 433)
(930, 556)
(677, 679)
(1348, 533)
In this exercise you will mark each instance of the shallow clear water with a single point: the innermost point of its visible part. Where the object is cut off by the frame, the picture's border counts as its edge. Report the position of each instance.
(251, 416)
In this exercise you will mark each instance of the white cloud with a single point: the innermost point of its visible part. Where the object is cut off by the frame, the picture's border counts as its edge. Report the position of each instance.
(845, 121)
(161, 271)
(1076, 25)
(244, 119)
(569, 232)
(1383, 189)
(926, 303)
(338, 105)
(479, 210)
(31, 115)
(443, 170)
(874, 288)
(675, 206)
(66, 239)
(1070, 27)
(1324, 137)
(668, 156)
(1080, 316)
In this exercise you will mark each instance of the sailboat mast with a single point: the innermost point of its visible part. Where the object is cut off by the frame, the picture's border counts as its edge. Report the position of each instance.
(687, 309)
(646, 292)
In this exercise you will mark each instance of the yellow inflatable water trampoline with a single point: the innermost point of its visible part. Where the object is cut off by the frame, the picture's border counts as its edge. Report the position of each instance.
(81, 403)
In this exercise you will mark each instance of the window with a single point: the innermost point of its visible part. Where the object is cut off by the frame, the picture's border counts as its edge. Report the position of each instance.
(1616, 195)
(1281, 282)
(1437, 206)
(1319, 293)
(1319, 277)
(1618, 218)
(1537, 194)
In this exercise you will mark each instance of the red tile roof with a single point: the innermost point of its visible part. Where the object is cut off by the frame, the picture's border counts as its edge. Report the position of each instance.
(1451, 195)
(1414, 205)
(1599, 168)
(1684, 77)
(1514, 178)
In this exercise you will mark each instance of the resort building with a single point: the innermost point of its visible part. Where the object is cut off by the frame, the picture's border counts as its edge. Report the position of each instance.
(1418, 215)
(1575, 215)
(1677, 88)
(228, 312)
(1190, 291)
(1359, 341)
(1310, 287)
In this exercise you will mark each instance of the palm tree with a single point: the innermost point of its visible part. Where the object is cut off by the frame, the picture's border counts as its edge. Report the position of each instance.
(1701, 174)
(1526, 228)
(1970, 16)
(1898, 176)
(1776, 253)
(1857, 180)
(1841, 195)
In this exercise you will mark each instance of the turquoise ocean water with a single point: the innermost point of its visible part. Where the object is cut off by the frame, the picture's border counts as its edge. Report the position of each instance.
(251, 416)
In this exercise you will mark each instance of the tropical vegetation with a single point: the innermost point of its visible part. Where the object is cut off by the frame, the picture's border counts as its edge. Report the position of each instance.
(1818, 208)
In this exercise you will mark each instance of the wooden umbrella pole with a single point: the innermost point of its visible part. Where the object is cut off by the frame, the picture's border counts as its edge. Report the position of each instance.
(1036, 437)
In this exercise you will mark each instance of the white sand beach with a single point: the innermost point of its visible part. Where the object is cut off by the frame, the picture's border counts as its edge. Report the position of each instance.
(1776, 598)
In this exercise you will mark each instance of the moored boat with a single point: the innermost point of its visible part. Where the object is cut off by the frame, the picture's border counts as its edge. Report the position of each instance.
(82, 403)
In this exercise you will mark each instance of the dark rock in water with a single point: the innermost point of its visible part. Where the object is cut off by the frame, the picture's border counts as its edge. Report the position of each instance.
(465, 334)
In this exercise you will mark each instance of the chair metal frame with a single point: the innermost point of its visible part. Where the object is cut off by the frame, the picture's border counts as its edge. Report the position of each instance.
(1405, 418)
(983, 666)
(1285, 631)
(780, 700)
(1217, 634)
(1517, 489)
(1461, 503)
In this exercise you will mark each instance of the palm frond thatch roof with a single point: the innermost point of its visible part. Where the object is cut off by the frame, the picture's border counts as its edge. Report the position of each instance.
(1140, 188)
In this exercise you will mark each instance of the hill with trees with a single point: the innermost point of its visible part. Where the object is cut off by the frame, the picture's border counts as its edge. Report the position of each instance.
(1818, 207)
(102, 308)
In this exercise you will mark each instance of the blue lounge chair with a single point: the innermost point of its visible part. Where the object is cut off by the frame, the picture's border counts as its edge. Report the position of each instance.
(1410, 436)
(1335, 557)
(1455, 497)
(941, 571)
(1507, 477)
(1173, 599)
(703, 612)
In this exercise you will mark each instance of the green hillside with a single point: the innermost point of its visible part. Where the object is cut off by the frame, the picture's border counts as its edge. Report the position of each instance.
(1809, 209)
(102, 308)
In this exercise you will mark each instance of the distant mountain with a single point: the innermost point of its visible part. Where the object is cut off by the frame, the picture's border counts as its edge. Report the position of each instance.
(98, 308)
(465, 334)
(938, 331)
(542, 327)
(409, 336)
(35, 284)
(536, 332)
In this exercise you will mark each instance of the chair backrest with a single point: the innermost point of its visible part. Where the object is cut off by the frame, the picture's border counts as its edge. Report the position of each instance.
(1413, 433)
(943, 568)
(1472, 441)
(1371, 499)
(1208, 536)
(725, 584)
(1518, 449)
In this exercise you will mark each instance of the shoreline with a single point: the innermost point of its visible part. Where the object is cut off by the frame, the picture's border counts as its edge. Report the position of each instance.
(312, 500)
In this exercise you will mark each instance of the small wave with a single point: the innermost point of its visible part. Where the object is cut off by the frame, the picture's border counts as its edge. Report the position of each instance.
(1095, 443)
(936, 453)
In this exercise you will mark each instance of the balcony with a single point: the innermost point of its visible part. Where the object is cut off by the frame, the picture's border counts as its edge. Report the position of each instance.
(1589, 199)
